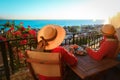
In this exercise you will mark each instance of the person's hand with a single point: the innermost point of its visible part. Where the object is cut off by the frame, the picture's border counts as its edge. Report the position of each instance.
(86, 48)
(71, 50)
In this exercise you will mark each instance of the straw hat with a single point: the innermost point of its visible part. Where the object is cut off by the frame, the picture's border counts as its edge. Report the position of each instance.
(108, 29)
(52, 35)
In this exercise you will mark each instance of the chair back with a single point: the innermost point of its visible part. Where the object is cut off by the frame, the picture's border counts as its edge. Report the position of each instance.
(45, 63)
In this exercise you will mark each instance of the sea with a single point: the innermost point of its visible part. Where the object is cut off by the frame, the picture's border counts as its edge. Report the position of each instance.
(37, 24)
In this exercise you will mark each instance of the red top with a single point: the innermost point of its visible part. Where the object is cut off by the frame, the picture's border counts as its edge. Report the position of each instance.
(67, 57)
(107, 49)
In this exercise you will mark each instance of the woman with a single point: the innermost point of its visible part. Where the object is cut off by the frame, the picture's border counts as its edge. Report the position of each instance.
(49, 39)
(108, 45)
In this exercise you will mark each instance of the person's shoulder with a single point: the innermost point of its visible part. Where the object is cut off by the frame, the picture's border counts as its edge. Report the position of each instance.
(59, 47)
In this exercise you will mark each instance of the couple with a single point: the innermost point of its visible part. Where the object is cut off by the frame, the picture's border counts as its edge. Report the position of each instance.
(51, 36)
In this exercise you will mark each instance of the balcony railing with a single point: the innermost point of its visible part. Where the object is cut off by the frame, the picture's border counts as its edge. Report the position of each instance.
(13, 52)
(89, 40)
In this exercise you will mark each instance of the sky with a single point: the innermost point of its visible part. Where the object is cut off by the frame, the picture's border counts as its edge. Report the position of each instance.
(58, 9)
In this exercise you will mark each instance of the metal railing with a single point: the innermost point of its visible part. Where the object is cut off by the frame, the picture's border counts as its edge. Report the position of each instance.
(89, 40)
(13, 55)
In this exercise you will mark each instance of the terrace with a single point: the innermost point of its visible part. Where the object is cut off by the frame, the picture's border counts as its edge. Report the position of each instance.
(14, 65)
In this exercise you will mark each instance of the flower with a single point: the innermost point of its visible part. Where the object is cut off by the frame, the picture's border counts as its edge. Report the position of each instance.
(23, 42)
(2, 38)
(16, 32)
(20, 31)
(32, 32)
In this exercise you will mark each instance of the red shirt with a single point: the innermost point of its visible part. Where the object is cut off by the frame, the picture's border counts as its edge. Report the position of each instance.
(107, 49)
(66, 57)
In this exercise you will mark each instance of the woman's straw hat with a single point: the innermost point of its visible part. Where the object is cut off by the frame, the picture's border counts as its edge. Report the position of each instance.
(108, 29)
(53, 35)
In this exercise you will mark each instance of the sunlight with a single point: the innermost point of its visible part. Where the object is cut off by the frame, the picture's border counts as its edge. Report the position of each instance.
(94, 20)
(115, 20)
(106, 21)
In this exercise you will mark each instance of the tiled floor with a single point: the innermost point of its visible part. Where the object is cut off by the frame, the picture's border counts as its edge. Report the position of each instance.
(22, 75)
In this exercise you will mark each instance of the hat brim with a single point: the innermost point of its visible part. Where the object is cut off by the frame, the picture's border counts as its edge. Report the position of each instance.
(57, 41)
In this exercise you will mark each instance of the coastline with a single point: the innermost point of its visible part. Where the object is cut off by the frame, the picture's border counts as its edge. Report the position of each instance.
(41, 23)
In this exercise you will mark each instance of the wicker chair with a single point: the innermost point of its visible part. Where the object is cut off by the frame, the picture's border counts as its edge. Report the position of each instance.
(44, 63)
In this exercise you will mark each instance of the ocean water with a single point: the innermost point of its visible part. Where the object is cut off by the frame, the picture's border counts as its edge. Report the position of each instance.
(41, 23)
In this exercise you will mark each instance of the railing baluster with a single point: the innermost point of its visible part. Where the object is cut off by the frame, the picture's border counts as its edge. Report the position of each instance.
(5, 59)
(11, 57)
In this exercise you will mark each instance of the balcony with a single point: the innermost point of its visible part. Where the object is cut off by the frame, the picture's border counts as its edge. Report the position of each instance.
(14, 62)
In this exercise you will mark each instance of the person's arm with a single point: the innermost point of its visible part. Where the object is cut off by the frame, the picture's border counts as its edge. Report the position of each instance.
(99, 54)
(69, 57)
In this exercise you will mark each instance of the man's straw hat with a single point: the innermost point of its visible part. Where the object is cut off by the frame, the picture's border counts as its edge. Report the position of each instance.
(108, 29)
(53, 35)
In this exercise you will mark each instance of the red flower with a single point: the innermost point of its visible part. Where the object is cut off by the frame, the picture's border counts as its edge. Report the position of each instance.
(20, 54)
(11, 29)
(32, 32)
(23, 42)
(17, 33)
(22, 28)
(25, 35)
(2, 38)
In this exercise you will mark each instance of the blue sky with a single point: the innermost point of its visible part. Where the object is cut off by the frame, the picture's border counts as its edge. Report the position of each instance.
(58, 9)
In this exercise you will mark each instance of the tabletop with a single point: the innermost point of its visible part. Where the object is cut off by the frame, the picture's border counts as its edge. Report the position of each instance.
(87, 66)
